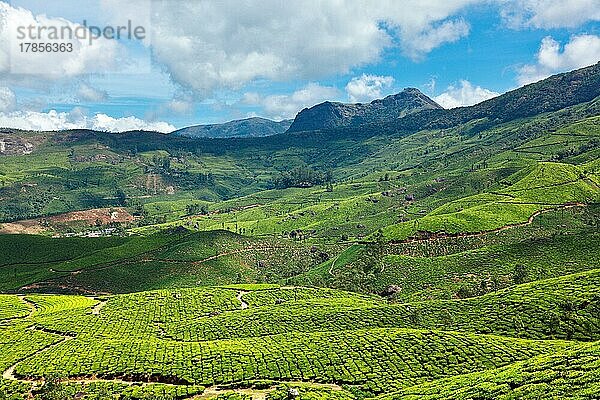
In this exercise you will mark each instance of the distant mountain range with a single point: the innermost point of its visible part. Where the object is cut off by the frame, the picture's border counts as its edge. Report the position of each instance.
(330, 115)
(223, 168)
(551, 94)
(411, 110)
(327, 115)
(250, 127)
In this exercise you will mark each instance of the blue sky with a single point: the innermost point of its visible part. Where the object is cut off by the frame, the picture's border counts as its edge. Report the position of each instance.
(210, 62)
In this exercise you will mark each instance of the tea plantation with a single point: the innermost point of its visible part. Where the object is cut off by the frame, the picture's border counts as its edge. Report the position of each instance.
(451, 254)
(177, 342)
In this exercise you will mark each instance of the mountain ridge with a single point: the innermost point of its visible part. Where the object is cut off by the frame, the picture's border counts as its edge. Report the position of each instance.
(247, 127)
(547, 95)
(329, 114)
(550, 94)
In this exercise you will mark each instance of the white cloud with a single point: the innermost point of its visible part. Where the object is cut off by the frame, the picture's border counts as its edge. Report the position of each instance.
(87, 93)
(447, 32)
(55, 121)
(367, 87)
(210, 45)
(287, 106)
(580, 51)
(103, 122)
(7, 99)
(100, 56)
(550, 13)
(465, 94)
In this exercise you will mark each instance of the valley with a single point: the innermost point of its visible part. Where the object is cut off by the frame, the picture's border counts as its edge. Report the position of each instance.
(390, 250)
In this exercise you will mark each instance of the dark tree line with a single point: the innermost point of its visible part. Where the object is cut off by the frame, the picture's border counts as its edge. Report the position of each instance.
(302, 177)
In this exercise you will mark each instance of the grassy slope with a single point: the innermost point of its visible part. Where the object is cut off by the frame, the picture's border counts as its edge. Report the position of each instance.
(445, 268)
(547, 185)
(163, 259)
(565, 307)
(485, 188)
(83, 170)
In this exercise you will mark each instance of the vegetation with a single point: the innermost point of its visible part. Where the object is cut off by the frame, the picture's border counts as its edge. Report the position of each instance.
(569, 374)
(128, 339)
(447, 253)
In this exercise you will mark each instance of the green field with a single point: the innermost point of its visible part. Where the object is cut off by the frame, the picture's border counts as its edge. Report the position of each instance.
(181, 341)
(454, 256)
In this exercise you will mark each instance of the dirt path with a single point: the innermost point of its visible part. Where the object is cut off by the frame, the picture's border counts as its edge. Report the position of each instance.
(209, 392)
(198, 262)
(260, 394)
(333, 264)
(241, 293)
(433, 236)
(9, 374)
(30, 304)
(98, 307)
(128, 261)
(99, 266)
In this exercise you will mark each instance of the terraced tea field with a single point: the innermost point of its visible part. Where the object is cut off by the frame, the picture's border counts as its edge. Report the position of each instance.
(185, 342)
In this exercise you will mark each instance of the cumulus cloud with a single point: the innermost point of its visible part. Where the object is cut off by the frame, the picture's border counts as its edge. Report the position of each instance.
(367, 87)
(464, 94)
(287, 106)
(447, 32)
(209, 45)
(76, 119)
(103, 122)
(100, 56)
(580, 51)
(7, 99)
(550, 13)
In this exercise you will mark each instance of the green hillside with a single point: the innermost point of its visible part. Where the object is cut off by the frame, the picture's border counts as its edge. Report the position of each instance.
(571, 374)
(440, 253)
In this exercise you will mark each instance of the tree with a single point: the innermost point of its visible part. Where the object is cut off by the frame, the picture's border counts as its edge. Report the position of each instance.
(52, 389)
(302, 177)
(374, 253)
(121, 197)
(520, 274)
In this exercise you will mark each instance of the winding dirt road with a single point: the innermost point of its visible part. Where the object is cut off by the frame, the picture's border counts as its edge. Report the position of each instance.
(241, 293)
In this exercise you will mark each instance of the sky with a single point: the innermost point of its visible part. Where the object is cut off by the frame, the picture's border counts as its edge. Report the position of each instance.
(201, 62)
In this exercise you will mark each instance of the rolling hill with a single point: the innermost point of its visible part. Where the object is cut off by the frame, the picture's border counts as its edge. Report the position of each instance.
(391, 250)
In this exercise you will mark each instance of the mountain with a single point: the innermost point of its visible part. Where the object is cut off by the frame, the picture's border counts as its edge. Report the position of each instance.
(333, 115)
(250, 127)
(412, 111)
(551, 94)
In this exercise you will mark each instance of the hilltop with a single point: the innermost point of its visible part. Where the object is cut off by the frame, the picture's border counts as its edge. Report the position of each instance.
(249, 127)
(330, 115)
